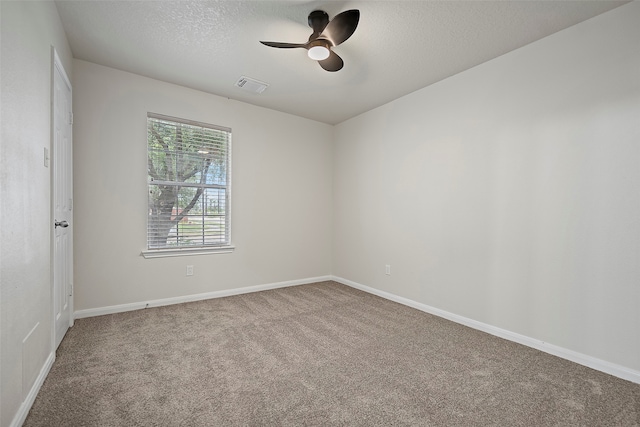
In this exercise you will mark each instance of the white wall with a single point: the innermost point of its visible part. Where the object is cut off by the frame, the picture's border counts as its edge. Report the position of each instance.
(281, 192)
(29, 29)
(508, 194)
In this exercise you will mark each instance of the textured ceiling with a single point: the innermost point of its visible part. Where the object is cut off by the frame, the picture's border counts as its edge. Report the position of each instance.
(400, 46)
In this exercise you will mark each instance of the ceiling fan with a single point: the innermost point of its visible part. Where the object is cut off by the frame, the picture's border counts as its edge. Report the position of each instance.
(326, 34)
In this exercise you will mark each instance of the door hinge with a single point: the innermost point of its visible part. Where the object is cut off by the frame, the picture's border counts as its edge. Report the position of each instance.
(70, 289)
(70, 118)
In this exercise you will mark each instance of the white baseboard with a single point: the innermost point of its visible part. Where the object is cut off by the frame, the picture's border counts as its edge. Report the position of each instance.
(23, 411)
(582, 359)
(91, 312)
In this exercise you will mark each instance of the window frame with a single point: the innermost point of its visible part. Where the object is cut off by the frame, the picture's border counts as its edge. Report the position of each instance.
(203, 249)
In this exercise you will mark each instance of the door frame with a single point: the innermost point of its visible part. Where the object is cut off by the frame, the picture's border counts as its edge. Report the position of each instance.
(56, 64)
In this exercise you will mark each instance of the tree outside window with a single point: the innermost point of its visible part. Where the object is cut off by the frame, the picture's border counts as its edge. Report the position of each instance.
(189, 183)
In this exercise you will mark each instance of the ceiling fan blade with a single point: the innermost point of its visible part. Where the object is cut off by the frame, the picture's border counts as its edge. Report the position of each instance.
(318, 20)
(332, 63)
(284, 45)
(341, 27)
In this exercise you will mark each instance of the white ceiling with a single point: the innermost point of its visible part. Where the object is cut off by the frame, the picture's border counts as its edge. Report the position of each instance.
(400, 46)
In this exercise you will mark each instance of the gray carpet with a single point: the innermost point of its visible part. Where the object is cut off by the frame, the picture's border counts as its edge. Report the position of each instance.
(317, 355)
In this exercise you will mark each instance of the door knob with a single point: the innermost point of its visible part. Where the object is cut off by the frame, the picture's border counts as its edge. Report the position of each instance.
(63, 224)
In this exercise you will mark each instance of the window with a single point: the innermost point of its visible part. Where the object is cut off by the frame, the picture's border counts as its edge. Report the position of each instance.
(189, 171)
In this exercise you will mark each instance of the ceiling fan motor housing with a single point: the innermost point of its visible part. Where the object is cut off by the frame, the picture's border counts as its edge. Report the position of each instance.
(320, 42)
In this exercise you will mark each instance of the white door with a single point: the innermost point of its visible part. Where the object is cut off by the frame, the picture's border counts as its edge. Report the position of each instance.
(62, 200)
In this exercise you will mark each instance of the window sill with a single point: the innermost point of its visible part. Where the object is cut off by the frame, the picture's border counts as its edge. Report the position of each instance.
(162, 253)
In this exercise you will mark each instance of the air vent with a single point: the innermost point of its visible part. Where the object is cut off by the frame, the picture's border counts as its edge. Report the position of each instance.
(251, 85)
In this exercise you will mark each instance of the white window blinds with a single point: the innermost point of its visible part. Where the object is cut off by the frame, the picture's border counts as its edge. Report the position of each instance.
(189, 177)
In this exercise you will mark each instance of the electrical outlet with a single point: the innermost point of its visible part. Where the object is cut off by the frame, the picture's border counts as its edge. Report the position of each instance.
(189, 270)
(387, 270)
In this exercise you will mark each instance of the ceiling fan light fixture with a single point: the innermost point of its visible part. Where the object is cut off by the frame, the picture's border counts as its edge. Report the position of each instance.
(318, 53)
(326, 34)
